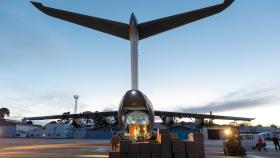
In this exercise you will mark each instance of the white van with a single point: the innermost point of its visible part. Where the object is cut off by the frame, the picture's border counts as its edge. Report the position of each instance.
(249, 141)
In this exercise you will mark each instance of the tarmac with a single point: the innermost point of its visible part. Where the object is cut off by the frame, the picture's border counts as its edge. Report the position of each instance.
(89, 148)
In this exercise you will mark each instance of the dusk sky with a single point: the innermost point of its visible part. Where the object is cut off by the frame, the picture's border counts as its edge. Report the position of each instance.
(228, 63)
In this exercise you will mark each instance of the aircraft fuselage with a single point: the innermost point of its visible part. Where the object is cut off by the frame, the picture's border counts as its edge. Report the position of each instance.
(136, 115)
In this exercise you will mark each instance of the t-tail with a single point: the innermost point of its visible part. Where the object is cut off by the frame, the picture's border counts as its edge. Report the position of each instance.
(134, 31)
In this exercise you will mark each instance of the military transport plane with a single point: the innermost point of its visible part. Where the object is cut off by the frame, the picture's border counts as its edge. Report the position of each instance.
(136, 112)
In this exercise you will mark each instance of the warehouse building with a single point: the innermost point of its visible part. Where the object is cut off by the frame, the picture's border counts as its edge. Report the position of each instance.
(7, 128)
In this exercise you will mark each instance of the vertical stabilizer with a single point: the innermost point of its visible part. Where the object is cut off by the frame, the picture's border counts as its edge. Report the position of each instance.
(134, 39)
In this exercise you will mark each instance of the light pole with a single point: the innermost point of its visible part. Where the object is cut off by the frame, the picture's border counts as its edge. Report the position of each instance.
(76, 97)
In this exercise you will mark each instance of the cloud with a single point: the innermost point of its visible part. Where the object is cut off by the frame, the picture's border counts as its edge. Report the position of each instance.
(25, 105)
(108, 108)
(241, 99)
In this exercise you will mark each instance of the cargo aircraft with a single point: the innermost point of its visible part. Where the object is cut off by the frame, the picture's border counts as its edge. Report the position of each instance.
(136, 114)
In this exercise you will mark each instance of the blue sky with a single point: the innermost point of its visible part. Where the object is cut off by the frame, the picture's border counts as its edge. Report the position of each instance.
(230, 59)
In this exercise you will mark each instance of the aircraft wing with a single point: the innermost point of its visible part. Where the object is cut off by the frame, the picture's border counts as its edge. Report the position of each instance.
(200, 116)
(154, 27)
(157, 113)
(75, 116)
(110, 27)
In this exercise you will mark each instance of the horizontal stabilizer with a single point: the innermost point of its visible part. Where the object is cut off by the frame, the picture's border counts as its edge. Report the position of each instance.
(154, 27)
(145, 29)
(110, 27)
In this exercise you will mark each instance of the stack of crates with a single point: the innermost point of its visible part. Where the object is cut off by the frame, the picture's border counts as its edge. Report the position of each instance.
(198, 138)
(167, 147)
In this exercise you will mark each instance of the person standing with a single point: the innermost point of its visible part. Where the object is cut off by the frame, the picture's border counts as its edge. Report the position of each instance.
(261, 144)
(114, 142)
(275, 140)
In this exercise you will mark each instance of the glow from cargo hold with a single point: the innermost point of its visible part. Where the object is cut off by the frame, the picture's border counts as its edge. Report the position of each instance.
(137, 123)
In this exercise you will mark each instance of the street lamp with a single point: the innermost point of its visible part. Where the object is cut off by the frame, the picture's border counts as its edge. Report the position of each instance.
(76, 97)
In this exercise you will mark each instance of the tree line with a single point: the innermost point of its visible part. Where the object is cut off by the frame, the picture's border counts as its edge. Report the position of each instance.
(4, 112)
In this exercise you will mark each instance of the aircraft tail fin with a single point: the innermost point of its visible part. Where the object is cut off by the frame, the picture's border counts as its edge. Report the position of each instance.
(107, 26)
(154, 27)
